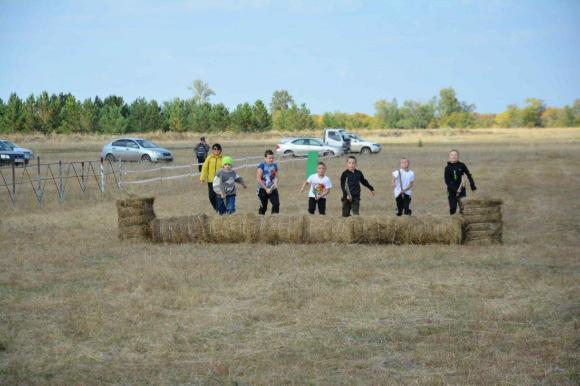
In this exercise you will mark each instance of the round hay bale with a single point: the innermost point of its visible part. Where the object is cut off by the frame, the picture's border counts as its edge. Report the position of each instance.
(236, 228)
(411, 230)
(180, 229)
(327, 229)
(278, 229)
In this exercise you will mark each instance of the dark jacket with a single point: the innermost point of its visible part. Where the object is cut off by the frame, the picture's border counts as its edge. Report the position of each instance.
(454, 171)
(201, 149)
(350, 183)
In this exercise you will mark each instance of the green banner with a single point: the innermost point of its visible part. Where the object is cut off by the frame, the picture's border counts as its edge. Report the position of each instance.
(311, 163)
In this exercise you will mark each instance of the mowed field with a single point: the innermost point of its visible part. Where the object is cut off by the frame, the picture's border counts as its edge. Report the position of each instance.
(78, 306)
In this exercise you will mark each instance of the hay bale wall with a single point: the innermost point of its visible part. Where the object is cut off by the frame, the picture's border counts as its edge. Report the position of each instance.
(480, 224)
(482, 221)
(134, 215)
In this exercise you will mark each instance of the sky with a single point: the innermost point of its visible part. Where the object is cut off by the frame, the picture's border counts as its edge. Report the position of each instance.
(341, 55)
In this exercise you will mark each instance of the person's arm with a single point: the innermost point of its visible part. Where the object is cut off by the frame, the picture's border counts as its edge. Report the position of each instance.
(447, 176)
(364, 182)
(204, 167)
(259, 174)
(275, 182)
(394, 181)
(306, 182)
(342, 185)
(217, 186)
(240, 180)
(470, 178)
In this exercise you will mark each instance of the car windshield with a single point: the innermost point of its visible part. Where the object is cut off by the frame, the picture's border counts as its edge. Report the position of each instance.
(7, 144)
(146, 144)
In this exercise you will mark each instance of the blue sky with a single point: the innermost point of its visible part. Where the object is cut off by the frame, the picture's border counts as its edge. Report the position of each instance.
(332, 55)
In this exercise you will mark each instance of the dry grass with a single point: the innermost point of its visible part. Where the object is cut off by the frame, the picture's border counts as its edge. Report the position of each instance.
(81, 307)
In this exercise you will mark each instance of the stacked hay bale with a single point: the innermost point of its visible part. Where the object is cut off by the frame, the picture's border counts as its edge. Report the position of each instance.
(482, 221)
(134, 215)
(180, 229)
(238, 228)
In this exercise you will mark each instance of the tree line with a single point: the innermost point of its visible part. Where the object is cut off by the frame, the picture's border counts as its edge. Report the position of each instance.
(64, 113)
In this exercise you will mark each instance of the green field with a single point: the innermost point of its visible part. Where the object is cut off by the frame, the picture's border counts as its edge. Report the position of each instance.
(81, 307)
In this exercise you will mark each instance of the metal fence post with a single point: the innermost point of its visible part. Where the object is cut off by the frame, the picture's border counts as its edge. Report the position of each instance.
(102, 177)
(61, 182)
(13, 182)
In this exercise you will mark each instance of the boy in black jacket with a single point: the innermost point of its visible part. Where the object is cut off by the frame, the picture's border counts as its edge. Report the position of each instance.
(454, 177)
(350, 182)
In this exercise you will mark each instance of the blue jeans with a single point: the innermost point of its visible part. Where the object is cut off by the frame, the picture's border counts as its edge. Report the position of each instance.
(227, 207)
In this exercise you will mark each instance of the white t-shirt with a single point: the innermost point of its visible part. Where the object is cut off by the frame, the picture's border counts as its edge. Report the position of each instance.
(407, 178)
(318, 185)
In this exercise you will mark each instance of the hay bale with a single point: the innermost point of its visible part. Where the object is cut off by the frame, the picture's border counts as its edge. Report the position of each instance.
(236, 228)
(180, 229)
(480, 210)
(278, 229)
(489, 227)
(481, 202)
(409, 230)
(326, 229)
(133, 217)
(482, 218)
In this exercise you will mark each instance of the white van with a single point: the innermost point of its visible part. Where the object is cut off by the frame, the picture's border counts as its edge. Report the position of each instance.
(337, 138)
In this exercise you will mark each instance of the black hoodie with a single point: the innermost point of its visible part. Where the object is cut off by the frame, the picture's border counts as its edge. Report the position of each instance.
(350, 182)
(454, 171)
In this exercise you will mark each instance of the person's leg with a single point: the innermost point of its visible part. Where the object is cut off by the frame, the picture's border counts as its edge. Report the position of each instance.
(452, 203)
(263, 197)
(399, 201)
(345, 208)
(221, 206)
(407, 205)
(355, 205)
(231, 204)
(212, 196)
(322, 206)
(200, 162)
(275, 200)
(311, 205)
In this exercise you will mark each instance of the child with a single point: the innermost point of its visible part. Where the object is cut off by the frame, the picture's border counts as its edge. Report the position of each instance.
(454, 179)
(211, 165)
(350, 182)
(403, 183)
(320, 186)
(224, 185)
(267, 177)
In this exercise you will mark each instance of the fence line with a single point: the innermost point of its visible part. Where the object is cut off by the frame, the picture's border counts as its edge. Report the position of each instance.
(40, 177)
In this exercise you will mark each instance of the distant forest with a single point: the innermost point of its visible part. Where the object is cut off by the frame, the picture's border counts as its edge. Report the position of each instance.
(64, 113)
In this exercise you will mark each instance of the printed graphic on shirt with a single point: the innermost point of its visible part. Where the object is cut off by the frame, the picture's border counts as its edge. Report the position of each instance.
(268, 174)
(318, 185)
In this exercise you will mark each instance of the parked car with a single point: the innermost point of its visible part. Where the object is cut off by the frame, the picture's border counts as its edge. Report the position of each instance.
(27, 152)
(360, 145)
(135, 149)
(337, 138)
(302, 146)
(8, 156)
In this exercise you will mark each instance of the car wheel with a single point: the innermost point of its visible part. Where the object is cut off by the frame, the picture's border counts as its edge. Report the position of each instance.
(289, 153)
(145, 158)
(329, 153)
(365, 150)
(109, 157)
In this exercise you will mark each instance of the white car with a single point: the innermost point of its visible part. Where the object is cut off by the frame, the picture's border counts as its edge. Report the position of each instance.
(360, 145)
(302, 146)
(135, 149)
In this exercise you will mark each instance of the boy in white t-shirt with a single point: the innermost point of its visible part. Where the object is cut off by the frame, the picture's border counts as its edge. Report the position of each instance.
(320, 186)
(403, 182)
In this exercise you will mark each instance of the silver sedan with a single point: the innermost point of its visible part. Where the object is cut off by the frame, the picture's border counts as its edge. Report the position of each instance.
(302, 146)
(135, 149)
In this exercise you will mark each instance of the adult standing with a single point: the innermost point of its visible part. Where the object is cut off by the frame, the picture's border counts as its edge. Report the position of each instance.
(211, 165)
(201, 150)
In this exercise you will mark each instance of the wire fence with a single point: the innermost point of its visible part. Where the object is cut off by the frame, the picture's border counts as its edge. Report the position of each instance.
(18, 183)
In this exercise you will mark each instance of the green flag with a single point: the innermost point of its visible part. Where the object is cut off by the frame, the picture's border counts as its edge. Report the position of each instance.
(311, 163)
